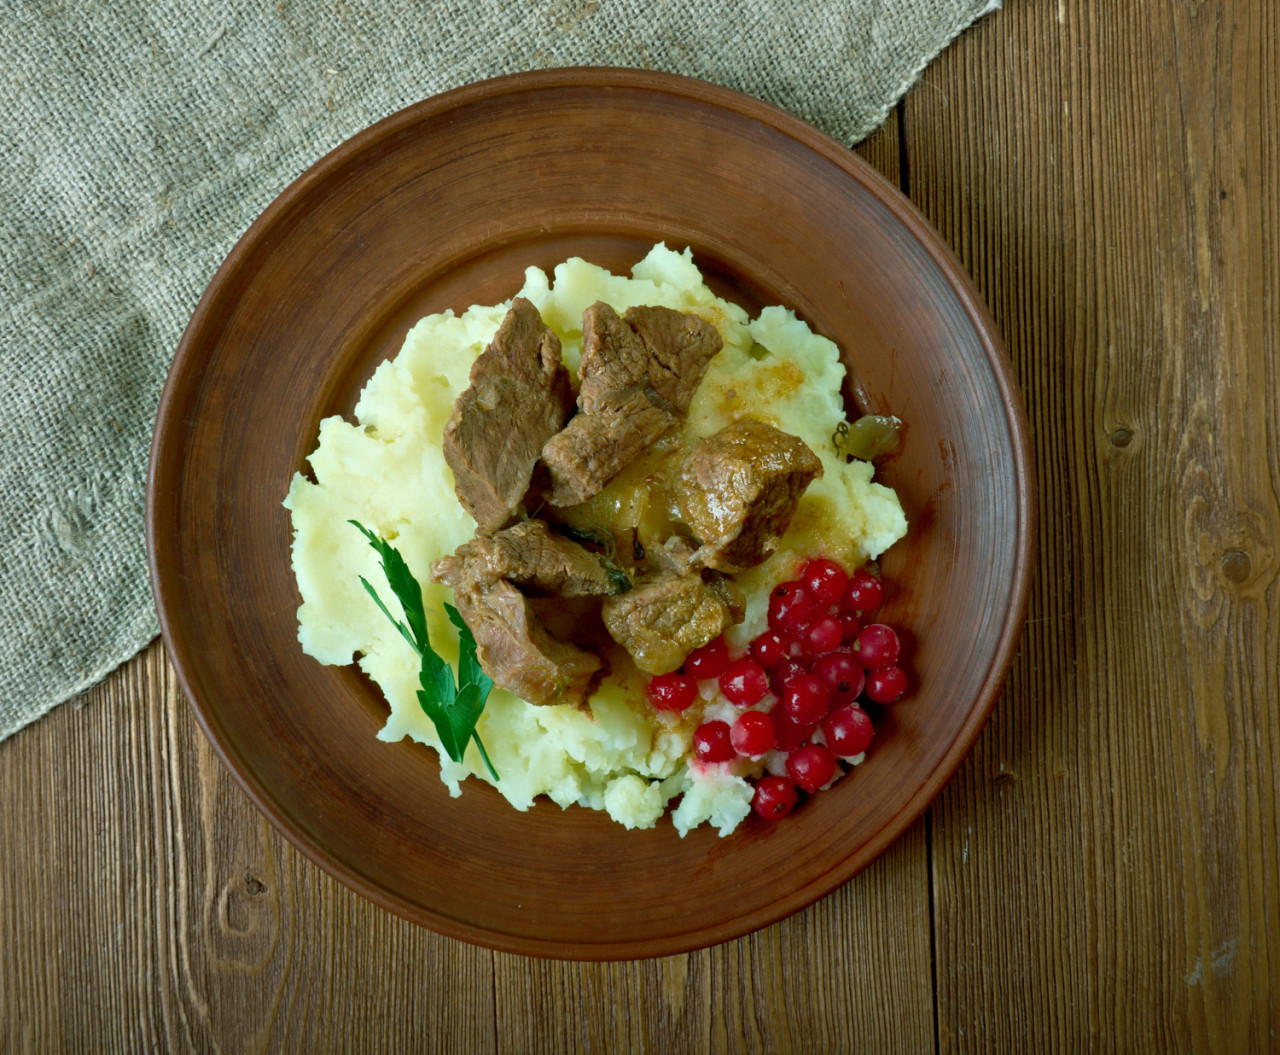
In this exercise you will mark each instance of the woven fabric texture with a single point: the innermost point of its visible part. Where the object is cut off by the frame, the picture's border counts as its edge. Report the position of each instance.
(142, 138)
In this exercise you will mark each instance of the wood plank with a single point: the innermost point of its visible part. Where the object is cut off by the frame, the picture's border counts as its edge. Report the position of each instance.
(1106, 862)
(196, 927)
(148, 906)
(882, 150)
(854, 966)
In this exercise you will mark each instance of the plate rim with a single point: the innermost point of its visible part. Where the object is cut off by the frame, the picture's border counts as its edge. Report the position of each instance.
(924, 236)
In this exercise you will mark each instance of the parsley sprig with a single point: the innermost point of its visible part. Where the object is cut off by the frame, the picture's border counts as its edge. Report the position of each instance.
(453, 709)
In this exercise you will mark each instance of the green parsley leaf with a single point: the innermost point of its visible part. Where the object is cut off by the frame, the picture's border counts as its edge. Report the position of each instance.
(618, 579)
(469, 670)
(453, 708)
(587, 537)
(602, 539)
(402, 584)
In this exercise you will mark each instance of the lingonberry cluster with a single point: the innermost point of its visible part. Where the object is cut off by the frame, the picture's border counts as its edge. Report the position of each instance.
(801, 683)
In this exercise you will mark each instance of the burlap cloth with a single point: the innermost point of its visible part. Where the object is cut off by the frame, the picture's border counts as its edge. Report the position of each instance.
(142, 138)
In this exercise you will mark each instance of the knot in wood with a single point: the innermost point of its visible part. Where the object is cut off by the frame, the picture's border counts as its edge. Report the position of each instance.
(1236, 565)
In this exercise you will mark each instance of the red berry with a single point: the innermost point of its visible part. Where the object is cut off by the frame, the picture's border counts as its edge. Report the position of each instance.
(774, 798)
(783, 673)
(811, 766)
(790, 734)
(877, 646)
(843, 673)
(886, 684)
(865, 593)
(752, 734)
(709, 661)
(744, 682)
(805, 699)
(822, 635)
(850, 624)
(770, 649)
(824, 579)
(847, 730)
(672, 692)
(711, 742)
(790, 608)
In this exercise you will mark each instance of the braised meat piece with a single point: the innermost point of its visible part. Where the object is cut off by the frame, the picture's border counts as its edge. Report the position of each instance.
(638, 375)
(730, 594)
(518, 653)
(665, 618)
(615, 362)
(540, 562)
(658, 349)
(593, 448)
(513, 646)
(741, 487)
(520, 396)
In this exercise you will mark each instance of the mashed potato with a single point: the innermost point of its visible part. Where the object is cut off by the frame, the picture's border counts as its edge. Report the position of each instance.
(388, 472)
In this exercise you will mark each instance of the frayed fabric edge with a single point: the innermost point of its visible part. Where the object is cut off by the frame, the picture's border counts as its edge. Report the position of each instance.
(859, 134)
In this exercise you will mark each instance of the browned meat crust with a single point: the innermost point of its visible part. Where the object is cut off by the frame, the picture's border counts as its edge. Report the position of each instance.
(664, 619)
(515, 649)
(520, 396)
(741, 487)
(529, 554)
(638, 375)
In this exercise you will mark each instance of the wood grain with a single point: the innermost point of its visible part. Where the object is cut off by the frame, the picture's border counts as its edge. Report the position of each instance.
(185, 923)
(1106, 863)
(147, 906)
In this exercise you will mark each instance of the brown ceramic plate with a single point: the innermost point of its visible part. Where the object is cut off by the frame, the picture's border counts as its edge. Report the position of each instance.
(443, 205)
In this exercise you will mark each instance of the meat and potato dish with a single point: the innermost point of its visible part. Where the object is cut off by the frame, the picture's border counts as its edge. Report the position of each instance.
(606, 476)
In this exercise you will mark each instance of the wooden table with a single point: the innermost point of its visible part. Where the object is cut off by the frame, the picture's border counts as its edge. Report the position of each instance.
(1101, 874)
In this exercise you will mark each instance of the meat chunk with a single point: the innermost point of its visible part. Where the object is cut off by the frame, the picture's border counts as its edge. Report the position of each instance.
(650, 348)
(638, 375)
(513, 646)
(615, 362)
(664, 619)
(520, 396)
(730, 594)
(593, 448)
(741, 487)
(517, 652)
(536, 559)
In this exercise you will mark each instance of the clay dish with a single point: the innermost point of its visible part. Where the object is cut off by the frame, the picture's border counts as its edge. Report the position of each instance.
(443, 205)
